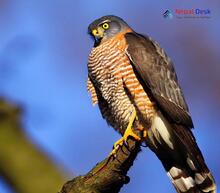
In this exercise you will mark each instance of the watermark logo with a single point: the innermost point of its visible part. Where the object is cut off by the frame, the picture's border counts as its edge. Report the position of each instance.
(168, 14)
(188, 13)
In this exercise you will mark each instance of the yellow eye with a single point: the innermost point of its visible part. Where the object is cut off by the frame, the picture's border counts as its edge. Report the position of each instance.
(105, 26)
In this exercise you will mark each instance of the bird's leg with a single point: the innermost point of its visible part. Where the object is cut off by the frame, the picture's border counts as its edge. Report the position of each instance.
(128, 133)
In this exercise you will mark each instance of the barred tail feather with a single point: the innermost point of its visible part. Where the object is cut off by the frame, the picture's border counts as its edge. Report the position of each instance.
(195, 163)
(185, 183)
(177, 149)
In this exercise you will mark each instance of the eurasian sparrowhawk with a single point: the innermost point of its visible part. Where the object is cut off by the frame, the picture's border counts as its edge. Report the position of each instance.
(136, 87)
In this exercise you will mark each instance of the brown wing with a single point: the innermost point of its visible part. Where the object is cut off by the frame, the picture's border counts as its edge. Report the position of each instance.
(157, 75)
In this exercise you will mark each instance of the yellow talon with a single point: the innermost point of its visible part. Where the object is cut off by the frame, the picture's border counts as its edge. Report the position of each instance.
(128, 132)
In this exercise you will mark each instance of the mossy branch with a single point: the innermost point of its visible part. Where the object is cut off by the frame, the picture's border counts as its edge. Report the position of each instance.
(107, 176)
(28, 170)
(23, 166)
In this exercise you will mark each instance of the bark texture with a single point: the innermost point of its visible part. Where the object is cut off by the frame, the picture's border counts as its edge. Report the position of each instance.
(107, 176)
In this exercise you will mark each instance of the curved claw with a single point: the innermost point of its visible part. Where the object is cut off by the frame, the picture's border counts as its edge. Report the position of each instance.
(116, 146)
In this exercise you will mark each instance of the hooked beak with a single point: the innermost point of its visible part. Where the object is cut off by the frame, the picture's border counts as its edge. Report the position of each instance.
(98, 34)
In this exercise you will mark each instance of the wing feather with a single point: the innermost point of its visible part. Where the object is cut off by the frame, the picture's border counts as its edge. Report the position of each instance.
(157, 75)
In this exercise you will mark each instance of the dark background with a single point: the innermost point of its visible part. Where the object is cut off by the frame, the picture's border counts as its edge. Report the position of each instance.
(44, 48)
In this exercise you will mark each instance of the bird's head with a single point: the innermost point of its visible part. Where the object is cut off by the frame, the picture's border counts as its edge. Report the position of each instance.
(106, 27)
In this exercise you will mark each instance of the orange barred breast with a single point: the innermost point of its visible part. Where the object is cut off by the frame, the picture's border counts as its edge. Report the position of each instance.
(113, 76)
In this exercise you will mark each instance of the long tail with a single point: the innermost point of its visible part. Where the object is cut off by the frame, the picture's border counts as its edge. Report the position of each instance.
(177, 149)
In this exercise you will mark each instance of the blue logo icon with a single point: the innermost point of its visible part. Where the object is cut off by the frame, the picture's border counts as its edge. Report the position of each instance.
(168, 14)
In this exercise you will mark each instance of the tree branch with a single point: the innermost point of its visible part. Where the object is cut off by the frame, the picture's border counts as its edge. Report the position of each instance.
(107, 176)
(24, 167)
(28, 170)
